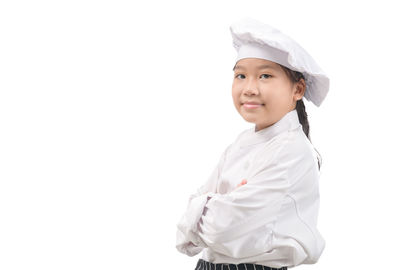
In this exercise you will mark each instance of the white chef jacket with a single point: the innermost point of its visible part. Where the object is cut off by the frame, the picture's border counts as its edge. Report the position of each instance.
(271, 220)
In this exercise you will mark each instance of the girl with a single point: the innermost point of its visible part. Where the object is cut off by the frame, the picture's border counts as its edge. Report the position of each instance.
(259, 208)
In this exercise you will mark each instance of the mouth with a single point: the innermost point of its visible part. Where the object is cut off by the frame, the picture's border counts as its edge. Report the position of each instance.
(252, 105)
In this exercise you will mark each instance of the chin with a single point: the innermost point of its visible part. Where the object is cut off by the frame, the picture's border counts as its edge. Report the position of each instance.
(249, 118)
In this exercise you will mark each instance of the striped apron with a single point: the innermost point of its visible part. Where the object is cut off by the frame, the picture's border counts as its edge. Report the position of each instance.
(204, 265)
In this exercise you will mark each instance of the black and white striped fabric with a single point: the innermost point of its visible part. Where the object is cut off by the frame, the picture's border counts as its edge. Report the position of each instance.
(204, 265)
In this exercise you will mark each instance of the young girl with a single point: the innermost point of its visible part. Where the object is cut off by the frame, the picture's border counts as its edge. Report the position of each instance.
(259, 208)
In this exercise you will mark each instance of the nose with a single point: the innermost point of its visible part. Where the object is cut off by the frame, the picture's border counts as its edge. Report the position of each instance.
(250, 88)
(250, 92)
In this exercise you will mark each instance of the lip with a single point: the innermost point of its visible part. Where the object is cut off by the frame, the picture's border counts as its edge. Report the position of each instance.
(252, 105)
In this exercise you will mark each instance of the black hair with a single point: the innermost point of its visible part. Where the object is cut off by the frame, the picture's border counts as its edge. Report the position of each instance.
(295, 77)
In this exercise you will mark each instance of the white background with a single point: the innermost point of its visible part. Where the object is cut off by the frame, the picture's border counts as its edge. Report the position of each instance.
(113, 112)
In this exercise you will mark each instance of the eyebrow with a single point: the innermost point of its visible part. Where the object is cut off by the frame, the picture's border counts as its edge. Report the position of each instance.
(258, 67)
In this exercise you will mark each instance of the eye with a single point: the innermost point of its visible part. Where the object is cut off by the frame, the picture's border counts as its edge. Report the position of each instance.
(266, 76)
(238, 76)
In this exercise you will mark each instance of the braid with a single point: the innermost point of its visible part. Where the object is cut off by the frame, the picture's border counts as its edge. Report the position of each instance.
(303, 119)
(301, 112)
(296, 76)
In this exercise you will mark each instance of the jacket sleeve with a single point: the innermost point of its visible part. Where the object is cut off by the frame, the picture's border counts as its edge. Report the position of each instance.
(238, 224)
(211, 184)
(184, 234)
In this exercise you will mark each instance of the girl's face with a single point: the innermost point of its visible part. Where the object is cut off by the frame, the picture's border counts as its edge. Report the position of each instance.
(265, 83)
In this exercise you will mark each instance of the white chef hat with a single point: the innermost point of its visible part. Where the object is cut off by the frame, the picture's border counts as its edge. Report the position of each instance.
(253, 39)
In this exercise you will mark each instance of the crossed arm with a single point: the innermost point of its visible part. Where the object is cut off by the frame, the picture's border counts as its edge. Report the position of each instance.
(236, 224)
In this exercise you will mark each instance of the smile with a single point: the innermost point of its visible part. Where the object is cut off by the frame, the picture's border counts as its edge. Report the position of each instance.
(252, 106)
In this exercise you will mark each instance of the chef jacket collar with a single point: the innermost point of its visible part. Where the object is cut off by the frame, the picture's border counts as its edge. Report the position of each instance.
(288, 122)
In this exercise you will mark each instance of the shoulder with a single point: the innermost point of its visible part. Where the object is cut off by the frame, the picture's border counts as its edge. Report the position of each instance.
(295, 145)
(289, 145)
(233, 146)
(298, 156)
(243, 133)
(286, 151)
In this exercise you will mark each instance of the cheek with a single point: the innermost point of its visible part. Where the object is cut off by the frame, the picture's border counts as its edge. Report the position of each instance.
(236, 100)
(277, 92)
(235, 94)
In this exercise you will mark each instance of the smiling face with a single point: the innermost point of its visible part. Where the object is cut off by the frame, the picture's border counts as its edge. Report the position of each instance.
(265, 84)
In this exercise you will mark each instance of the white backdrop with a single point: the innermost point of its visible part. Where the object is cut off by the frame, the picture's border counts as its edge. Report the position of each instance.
(113, 112)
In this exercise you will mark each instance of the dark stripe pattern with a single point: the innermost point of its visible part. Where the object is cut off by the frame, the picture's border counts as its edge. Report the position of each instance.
(204, 265)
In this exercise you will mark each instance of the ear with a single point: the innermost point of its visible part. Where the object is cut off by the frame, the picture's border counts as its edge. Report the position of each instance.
(300, 89)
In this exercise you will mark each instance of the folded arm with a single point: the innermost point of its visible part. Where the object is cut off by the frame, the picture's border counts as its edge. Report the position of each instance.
(237, 224)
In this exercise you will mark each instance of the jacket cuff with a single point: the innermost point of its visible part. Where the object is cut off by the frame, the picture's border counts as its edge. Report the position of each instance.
(188, 224)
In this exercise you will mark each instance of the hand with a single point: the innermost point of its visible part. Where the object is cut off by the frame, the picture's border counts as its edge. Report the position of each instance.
(244, 181)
